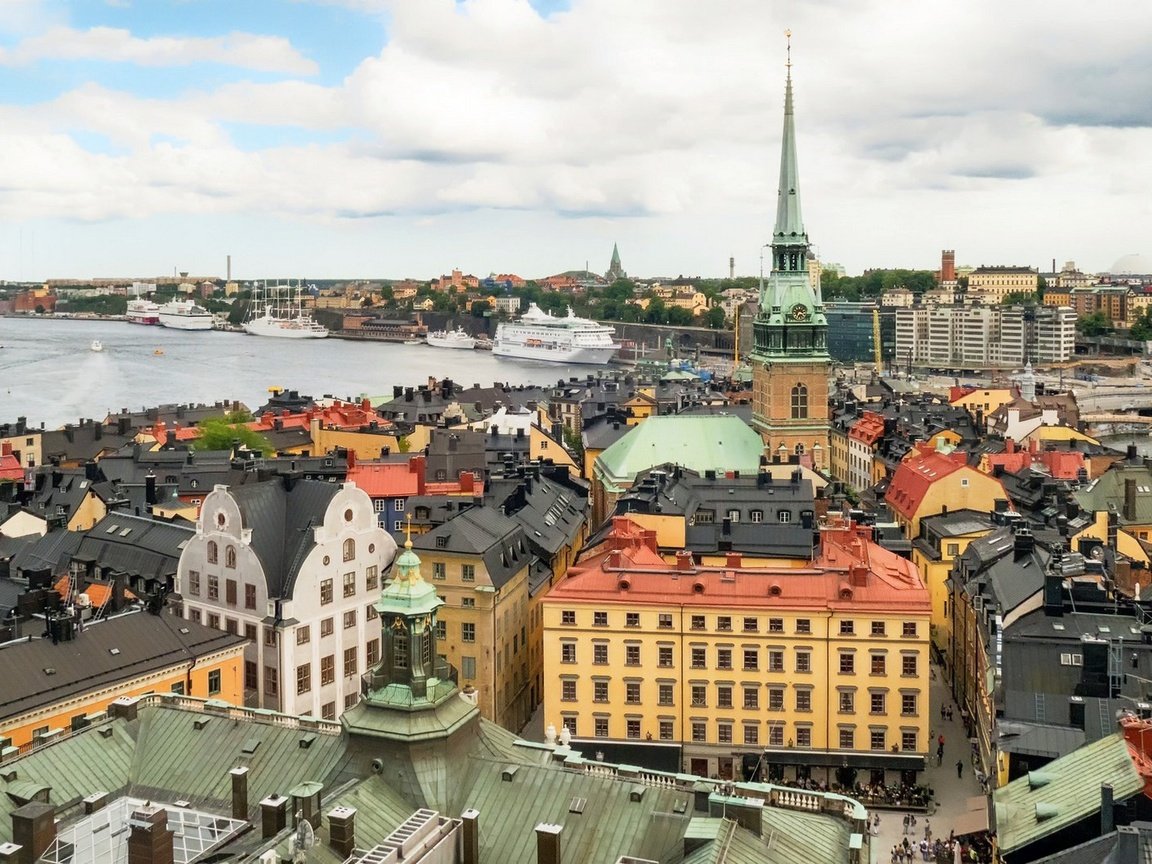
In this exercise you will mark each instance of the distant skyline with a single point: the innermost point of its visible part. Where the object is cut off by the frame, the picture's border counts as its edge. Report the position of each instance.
(405, 138)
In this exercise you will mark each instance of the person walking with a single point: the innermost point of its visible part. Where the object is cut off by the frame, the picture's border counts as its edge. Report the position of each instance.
(907, 817)
(959, 768)
(927, 830)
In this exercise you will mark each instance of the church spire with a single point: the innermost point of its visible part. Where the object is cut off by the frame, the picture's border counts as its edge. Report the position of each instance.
(789, 223)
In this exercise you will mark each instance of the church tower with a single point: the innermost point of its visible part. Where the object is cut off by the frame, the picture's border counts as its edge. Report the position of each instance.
(790, 362)
(615, 268)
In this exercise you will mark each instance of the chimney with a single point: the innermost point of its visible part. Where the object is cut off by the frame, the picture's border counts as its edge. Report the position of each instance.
(1129, 499)
(150, 487)
(470, 853)
(273, 815)
(33, 829)
(150, 841)
(548, 843)
(683, 560)
(342, 830)
(240, 794)
(1127, 848)
(10, 853)
(1023, 542)
(1107, 810)
(1076, 711)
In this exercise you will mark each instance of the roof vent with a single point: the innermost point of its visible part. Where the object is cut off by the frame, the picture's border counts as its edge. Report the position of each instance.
(113, 651)
(184, 630)
(1036, 779)
(774, 590)
(250, 746)
(636, 793)
(577, 805)
(508, 773)
(698, 587)
(49, 670)
(306, 740)
(624, 584)
(1045, 811)
(200, 722)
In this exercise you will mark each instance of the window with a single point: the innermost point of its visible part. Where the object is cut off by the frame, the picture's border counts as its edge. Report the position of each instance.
(632, 692)
(599, 619)
(468, 572)
(877, 739)
(699, 657)
(908, 740)
(847, 702)
(776, 736)
(775, 625)
(599, 691)
(371, 578)
(249, 596)
(699, 731)
(724, 733)
(303, 634)
(953, 550)
(632, 619)
(751, 734)
(733, 515)
(751, 697)
(271, 682)
(666, 730)
(372, 652)
(194, 583)
(775, 661)
(230, 557)
(632, 727)
(878, 664)
(803, 661)
(803, 700)
(847, 627)
(398, 505)
(751, 625)
(213, 620)
(177, 688)
(699, 695)
(803, 625)
(370, 613)
(325, 592)
(327, 669)
(909, 629)
(328, 711)
(349, 619)
(400, 647)
(631, 655)
(567, 691)
(799, 402)
(847, 663)
(213, 587)
(230, 592)
(350, 700)
(847, 739)
(783, 516)
(303, 679)
(468, 602)
(723, 696)
(876, 703)
(439, 570)
(232, 626)
(468, 667)
(877, 628)
(568, 616)
(724, 623)
(194, 615)
(567, 650)
(705, 517)
(350, 584)
(803, 736)
(213, 682)
(468, 634)
(601, 727)
(756, 515)
(665, 621)
(696, 622)
(349, 549)
(775, 698)
(751, 659)
(908, 704)
(723, 658)
(270, 636)
(441, 630)
(908, 665)
(600, 654)
(665, 654)
(350, 666)
(441, 542)
(250, 631)
(379, 505)
(213, 552)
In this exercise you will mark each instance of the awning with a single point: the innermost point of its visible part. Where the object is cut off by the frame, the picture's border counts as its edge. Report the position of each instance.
(824, 758)
(974, 819)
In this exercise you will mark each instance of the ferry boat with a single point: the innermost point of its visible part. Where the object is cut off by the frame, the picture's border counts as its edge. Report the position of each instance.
(141, 311)
(278, 311)
(185, 315)
(96, 345)
(539, 335)
(450, 339)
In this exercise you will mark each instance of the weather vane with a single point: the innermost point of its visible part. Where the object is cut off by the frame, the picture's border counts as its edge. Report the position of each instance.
(788, 49)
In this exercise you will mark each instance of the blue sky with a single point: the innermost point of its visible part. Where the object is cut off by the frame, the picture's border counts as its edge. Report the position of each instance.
(407, 137)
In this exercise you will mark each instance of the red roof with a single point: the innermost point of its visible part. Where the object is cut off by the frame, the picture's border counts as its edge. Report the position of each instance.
(9, 465)
(868, 429)
(915, 476)
(1060, 464)
(389, 479)
(1135, 731)
(850, 572)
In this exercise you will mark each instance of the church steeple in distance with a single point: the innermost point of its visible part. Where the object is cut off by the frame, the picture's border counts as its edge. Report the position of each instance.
(789, 222)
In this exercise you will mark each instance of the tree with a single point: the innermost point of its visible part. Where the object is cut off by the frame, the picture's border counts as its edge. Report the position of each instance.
(480, 307)
(1094, 324)
(678, 316)
(216, 433)
(1141, 329)
(714, 318)
(1019, 298)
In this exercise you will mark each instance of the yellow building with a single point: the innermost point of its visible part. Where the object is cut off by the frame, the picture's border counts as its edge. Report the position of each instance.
(928, 482)
(23, 441)
(813, 668)
(366, 445)
(993, 284)
(54, 687)
(977, 399)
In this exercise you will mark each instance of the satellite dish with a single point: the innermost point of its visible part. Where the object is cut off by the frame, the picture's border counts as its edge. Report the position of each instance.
(302, 840)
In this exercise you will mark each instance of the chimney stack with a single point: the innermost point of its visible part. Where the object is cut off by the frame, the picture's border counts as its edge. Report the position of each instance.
(1130, 499)
(33, 830)
(240, 794)
(342, 830)
(10, 853)
(1107, 813)
(150, 841)
(471, 836)
(548, 843)
(273, 815)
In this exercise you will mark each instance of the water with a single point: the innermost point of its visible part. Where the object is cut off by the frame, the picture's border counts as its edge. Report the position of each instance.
(49, 374)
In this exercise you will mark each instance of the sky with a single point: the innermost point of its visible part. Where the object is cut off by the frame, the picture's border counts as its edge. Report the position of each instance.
(405, 138)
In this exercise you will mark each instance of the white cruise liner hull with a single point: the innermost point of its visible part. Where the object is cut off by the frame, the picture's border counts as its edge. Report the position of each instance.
(467, 344)
(285, 328)
(186, 322)
(571, 355)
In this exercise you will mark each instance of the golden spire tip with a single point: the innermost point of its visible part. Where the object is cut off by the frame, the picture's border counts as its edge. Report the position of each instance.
(408, 531)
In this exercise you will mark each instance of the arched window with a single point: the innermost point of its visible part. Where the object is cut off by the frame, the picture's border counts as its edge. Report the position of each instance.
(230, 557)
(349, 549)
(800, 402)
(212, 551)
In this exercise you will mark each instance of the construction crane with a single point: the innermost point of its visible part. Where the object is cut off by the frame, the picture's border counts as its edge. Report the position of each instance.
(876, 354)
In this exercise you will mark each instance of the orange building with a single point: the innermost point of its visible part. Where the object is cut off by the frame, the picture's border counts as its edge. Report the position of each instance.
(928, 482)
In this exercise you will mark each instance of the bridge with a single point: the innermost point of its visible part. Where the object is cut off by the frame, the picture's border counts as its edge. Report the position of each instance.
(1116, 419)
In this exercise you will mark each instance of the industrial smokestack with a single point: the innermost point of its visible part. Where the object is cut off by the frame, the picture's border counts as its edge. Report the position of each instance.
(731, 267)
(228, 269)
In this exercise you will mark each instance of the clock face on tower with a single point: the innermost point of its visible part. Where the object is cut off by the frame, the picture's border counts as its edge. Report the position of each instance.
(799, 312)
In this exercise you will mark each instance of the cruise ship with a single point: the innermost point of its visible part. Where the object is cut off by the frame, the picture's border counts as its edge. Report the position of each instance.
(185, 315)
(539, 335)
(141, 311)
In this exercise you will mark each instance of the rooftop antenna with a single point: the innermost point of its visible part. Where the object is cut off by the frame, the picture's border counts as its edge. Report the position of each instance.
(788, 52)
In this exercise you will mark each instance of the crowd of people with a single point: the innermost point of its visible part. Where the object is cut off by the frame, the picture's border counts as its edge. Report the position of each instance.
(953, 850)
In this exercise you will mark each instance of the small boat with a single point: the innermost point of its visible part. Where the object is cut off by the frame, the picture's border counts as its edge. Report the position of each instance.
(97, 345)
(450, 339)
(413, 341)
(159, 352)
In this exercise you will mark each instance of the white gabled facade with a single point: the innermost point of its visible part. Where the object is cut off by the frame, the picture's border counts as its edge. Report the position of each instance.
(307, 649)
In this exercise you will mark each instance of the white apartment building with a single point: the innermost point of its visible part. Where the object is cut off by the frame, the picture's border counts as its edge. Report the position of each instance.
(975, 337)
(296, 566)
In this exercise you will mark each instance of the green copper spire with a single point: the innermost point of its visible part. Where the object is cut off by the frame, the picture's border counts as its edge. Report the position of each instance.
(789, 223)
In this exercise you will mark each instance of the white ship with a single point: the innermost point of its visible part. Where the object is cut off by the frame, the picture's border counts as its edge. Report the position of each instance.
(141, 311)
(539, 335)
(185, 315)
(450, 339)
(278, 311)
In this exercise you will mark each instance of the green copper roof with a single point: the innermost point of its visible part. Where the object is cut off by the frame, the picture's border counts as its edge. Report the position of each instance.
(716, 443)
(1066, 791)
(789, 222)
(408, 593)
